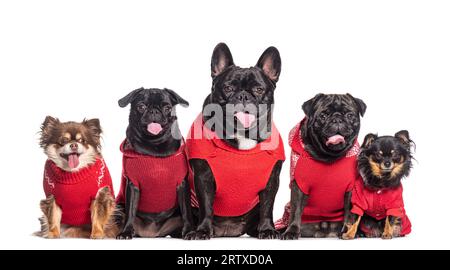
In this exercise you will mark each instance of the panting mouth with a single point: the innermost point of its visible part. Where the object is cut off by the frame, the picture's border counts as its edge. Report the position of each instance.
(154, 128)
(73, 159)
(335, 140)
(246, 119)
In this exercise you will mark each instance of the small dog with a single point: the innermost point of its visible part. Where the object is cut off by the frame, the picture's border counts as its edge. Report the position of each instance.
(237, 160)
(154, 196)
(377, 199)
(323, 166)
(77, 183)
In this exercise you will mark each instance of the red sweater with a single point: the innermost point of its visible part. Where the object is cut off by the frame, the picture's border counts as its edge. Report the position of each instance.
(157, 178)
(324, 183)
(74, 191)
(379, 203)
(239, 174)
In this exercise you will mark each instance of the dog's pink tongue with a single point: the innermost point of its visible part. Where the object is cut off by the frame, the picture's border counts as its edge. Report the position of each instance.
(154, 128)
(246, 119)
(336, 139)
(73, 161)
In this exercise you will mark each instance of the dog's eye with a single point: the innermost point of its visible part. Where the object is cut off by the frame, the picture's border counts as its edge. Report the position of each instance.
(228, 89)
(141, 108)
(258, 90)
(80, 140)
(167, 109)
(64, 141)
(323, 116)
(350, 115)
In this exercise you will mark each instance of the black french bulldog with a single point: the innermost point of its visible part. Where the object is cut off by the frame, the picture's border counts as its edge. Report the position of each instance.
(153, 132)
(329, 132)
(246, 87)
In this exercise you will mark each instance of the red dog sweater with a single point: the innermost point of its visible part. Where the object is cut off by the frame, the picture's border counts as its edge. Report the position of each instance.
(379, 203)
(324, 183)
(239, 174)
(157, 178)
(74, 191)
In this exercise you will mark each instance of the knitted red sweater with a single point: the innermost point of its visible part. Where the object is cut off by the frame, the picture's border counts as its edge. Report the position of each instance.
(324, 183)
(379, 203)
(239, 174)
(156, 177)
(74, 191)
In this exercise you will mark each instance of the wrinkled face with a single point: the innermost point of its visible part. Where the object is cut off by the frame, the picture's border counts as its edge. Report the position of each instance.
(70, 145)
(333, 122)
(152, 111)
(387, 156)
(246, 89)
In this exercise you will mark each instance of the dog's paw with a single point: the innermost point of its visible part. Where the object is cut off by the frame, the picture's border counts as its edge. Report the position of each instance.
(97, 235)
(347, 236)
(126, 235)
(386, 236)
(269, 234)
(190, 235)
(289, 235)
(202, 235)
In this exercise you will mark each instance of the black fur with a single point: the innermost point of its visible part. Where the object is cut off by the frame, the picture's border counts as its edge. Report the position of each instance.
(239, 86)
(147, 106)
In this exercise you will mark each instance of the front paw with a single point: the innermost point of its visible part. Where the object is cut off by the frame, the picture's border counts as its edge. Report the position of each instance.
(290, 234)
(268, 234)
(203, 234)
(125, 235)
(347, 236)
(386, 236)
(190, 235)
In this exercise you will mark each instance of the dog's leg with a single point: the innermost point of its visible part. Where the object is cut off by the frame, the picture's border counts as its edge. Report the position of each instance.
(101, 212)
(52, 216)
(205, 188)
(131, 206)
(347, 211)
(298, 202)
(391, 227)
(266, 228)
(184, 200)
(351, 227)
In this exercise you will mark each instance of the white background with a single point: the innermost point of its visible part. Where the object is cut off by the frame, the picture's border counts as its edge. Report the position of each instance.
(76, 59)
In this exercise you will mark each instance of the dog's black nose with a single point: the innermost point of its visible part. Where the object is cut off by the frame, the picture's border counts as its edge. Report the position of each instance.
(243, 96)
(73, 146)
(337, 121)
(387, 164)
(153, 111)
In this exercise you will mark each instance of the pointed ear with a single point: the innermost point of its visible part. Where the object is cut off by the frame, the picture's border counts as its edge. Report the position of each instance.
(360, 104)
(403, 135)
(221, 59)
(270, 63)
(47, 126)
(176, 99)
(308, 106)
(369, 139)
(123, 102)
(94, 126)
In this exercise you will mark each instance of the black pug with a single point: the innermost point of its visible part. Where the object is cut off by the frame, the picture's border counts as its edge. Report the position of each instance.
(377, 198)
(323, 166)
(154, 197)
(237, 160)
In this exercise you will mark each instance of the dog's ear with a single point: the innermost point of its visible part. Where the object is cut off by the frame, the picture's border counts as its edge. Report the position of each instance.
(360, 104)
(369, 139)
(221, 59)
(123, 102)
(47, 126)
(270, 63)
(94, 126)
(176, 99)
(308, 106)
(403, 135)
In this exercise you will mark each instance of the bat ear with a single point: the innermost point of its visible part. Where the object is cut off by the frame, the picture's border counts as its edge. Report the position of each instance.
(176, 99)
(360, 104)
(369, 139)
(308, 106)
(270, 63)
(123, 102)
(221, 59)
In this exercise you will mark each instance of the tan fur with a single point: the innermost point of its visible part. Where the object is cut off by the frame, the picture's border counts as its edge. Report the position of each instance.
(52, 214)
(398, 167)
(102, 209)
(351, 230)
(375, 167)
(388, 232)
